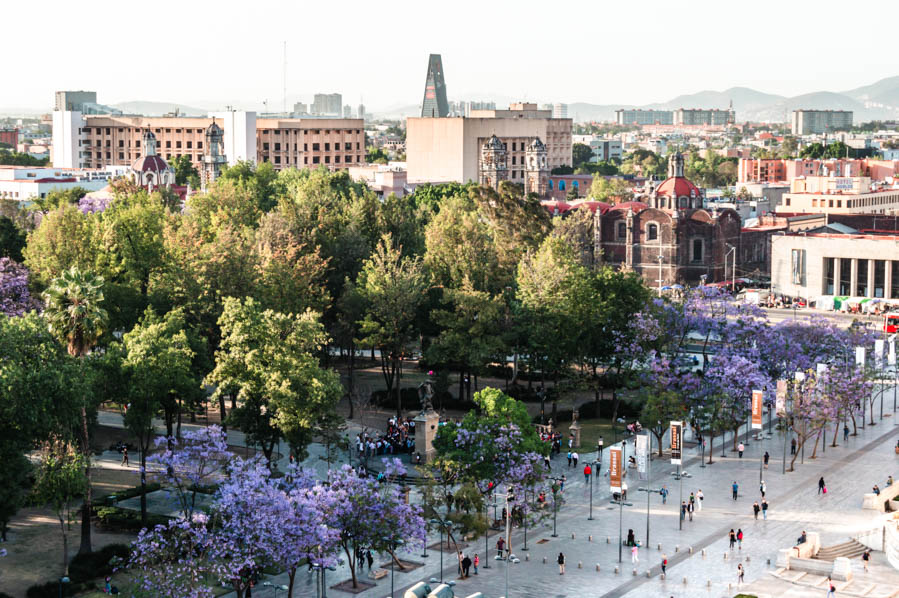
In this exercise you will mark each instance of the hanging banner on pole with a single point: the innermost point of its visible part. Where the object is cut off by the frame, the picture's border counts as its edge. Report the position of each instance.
(860, 356)
(820, 369)
(891, 354)
(781, 398)
(677, 430)
(878, 353)
(642, 455)
(757, 396)
(615, 469)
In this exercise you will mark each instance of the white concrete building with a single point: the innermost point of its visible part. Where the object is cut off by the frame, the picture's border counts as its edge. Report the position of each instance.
(26, 183)
(851, 265)
(810, 122)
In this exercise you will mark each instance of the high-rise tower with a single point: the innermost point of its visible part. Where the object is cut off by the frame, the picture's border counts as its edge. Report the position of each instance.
(434, 103)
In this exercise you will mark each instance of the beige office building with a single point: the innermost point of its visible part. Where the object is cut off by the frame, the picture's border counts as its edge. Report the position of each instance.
(448, 149)
(839, 195)
(97, 141)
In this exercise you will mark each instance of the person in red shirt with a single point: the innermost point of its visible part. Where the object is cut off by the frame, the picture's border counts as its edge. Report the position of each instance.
(587, 472)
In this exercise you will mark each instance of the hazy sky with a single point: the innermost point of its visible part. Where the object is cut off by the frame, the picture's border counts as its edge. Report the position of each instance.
(596, 51)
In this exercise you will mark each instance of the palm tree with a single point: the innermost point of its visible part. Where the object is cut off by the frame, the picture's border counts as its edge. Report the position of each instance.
(73, 312)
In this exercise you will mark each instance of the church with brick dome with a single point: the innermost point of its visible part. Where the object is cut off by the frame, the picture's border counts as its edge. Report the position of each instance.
(665, 234)
(151, 171)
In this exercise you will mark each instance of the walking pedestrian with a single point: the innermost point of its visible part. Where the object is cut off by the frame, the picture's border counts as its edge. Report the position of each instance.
(466, 566)
(767, 456)
(732, 537)
(599, 445)
(561, 561)
(831, 589)
(635, 554)
(587, 472)
(690, 509)
(755, 510)
(562, 483)
(763, 487)
(735, 487)
(692, 499)
(700, 496)
(569, 458)
(845, 432)
(792, 446)
(574, 458)
(740, 449)
(764, 509)
(664, 493)
(547, 463)
(740, 572)
(500, 544)
(739, 539)
(683, 510)
(866, 556)
(125, 456)
(460, 557)
(476, 562)
(822, 487)
(370, 558)
(664, 564)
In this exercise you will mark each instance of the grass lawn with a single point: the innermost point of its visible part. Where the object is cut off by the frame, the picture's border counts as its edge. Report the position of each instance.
(591, 430)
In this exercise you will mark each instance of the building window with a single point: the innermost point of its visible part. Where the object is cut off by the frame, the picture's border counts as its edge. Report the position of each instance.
(513, 161)
(561, 185)
(347, 146)
(121, 143)
(315, 159)
(357, 145)
(277, 147)
(277, 159)
(652, 232)
(798, 267)
(829, 274)
(550, 184)
(190, 145)
(168, 144)
(265, 146)
(327, 159)
(697, 250)
(845, 276)
(861, 278)
(337, 159)
(121, 155)
(880, 272)
(327, 147)
(622, 230)
(348, 159)
(894, 281)
(315, 147)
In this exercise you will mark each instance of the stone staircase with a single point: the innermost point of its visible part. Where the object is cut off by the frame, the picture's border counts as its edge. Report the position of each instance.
(851, 549)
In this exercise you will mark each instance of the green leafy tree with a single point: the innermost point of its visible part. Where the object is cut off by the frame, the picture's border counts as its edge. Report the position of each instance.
(75, 316)
(393, 288)
(185, 172)
(60, 481)
(376, 155)
(17, 159)
(258, 180)
(268, 361)
(157, 368)
(40, 393)
(613, 190)
(661, 406)
(64, 239)
(580, 154)
(12, 239)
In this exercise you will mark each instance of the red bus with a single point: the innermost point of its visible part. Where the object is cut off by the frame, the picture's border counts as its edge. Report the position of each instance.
(891, 323)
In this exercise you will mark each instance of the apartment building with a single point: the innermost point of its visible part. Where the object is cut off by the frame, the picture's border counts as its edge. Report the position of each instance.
(97, 141)
(703, 117)
(839, 195)
(812, 122)
(636, 116)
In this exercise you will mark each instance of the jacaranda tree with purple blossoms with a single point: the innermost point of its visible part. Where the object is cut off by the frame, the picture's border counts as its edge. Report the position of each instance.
(186, 465)
(15, 299)
(370, 515)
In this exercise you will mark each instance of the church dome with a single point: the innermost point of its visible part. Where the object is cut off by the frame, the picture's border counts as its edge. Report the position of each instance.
(152, 163)
(677, 186)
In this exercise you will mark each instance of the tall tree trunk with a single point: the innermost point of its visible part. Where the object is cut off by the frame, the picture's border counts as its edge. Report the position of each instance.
(143, 484)
(711, 445)
(815, 450)
(291, 575)
(351, 379)
(836, 429)
(87, 507)
(65, 546)
(223, 414)
(399, 395)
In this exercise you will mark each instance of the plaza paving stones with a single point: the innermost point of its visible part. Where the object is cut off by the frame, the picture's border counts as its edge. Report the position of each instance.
(849, 470)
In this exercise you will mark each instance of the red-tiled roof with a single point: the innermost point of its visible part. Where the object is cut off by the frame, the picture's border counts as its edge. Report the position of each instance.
(678, 187)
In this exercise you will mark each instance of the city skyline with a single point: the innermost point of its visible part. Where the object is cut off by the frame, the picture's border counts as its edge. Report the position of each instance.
(618, 57)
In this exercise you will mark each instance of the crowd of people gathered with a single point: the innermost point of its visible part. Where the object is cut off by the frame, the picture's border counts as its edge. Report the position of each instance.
(399, 438)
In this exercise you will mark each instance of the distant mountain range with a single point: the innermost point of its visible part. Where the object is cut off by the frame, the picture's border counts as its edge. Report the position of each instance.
(879, 101)
(158, 108)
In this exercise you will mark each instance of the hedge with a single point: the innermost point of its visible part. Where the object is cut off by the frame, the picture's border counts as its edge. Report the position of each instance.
(83, 570)
(126, 520)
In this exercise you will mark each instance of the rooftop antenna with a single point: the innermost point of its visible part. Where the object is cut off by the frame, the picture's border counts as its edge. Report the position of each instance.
(284, 109)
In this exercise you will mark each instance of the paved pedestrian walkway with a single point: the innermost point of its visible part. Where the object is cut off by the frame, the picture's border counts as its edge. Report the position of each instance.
(849, 471)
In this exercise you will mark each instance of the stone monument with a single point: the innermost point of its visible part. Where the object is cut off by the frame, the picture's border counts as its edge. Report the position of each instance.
(574, 430)
(426, 422)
